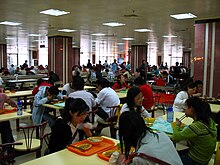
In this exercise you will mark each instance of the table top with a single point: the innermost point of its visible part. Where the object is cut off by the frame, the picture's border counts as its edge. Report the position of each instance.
(215, 108)
(86, 87)
(19, 93)
(122, 94)
(186, 120)
(66, 157)
(13, 116)
(22, 80)
(53, 106)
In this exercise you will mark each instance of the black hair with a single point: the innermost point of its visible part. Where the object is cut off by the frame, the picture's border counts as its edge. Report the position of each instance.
(190, 85)
(139, 81)
(198, 82)
(118, 79)
(132, 129)
(72, 105)
(39, 81)
(103, 82)
(201, 108)
(132, 93)
(78, 83)
(53, 90)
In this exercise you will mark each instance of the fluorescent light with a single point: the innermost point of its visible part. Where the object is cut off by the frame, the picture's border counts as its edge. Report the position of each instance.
(35, 35)
(169, 36)
(98, 34)
(183, 16)
(142, 30)
(120, 43)
(150, 42)
(66, 30)
(54, 12)
(10, 23)
(113, 24)
(128, 39)
(9, 38)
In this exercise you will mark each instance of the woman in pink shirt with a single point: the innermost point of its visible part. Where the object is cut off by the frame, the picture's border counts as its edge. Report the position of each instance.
(5, 128)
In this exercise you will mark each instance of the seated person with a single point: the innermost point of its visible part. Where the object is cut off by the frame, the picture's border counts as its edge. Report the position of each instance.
(179, 102)
(120, 84)
(133, 132)
(41, 113)
(146, 91)
(106, 97)
(199, 86)
(201, 134)
(134, 102)
(168, 77)
(53, 77)
(66, 128)
(40, 82)
(68, 88)
(78, 85)
(5, 128)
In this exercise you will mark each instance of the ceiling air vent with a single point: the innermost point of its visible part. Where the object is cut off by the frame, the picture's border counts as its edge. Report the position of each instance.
(132, 15)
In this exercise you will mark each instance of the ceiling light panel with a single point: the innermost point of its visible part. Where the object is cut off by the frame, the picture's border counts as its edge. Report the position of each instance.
(98, 34)
(128, 39)
(183, 16)
(171, 36)
(10, 23)
(66, 30)
(142, 30)
(113, 24)
(54, 12)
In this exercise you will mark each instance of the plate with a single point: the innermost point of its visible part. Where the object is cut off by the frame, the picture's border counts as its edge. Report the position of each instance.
(84, 146)
(109, 153)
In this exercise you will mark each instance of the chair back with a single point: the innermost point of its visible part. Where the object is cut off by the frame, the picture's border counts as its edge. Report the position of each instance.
(160, 82)
(114, 113)
(7, 152)
(29, 131)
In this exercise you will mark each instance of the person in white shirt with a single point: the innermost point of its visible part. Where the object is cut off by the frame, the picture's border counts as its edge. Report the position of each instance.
(11, 69)
(67, 89)
(78, 85)
(106, 97)
(133, 132)
(134, 102)
(179, 104)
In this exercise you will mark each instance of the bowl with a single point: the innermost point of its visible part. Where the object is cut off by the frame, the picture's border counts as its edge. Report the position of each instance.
(95, 140)
(150, 120)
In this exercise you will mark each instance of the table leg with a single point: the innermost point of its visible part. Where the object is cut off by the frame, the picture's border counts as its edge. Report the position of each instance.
(17, 124)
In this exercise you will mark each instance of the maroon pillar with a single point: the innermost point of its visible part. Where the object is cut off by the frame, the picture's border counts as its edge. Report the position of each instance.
(138, 53)
(207, 55)
(76, 56)
(60, 57)
(3, 55)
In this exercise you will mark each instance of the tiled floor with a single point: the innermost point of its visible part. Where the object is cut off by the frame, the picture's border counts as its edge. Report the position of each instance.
(31, 156)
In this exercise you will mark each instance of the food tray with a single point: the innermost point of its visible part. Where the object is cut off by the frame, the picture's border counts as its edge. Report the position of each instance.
(104, 145)
(106, 158)
(5, 111)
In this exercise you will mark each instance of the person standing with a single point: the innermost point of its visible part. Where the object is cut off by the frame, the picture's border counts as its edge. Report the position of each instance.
(12, 69)
(143, 69)
(89, 64)
(25, 65)
(114, 66)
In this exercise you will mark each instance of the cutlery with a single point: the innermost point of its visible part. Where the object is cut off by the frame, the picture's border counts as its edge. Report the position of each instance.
(81, 149)
(182, 117)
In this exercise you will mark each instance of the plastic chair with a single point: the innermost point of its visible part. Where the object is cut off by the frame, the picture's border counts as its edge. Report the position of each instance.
(30, 142)
(112, 120)
(156, 98)
(160, 82)
(7, 153)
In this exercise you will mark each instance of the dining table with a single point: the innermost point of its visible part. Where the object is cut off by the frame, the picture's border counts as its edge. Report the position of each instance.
(13, 116)
(66, 157)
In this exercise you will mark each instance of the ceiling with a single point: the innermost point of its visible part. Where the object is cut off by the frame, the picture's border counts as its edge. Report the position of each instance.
(87, 17)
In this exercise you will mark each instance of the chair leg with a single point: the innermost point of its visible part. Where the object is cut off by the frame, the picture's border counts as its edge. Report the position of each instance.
(38, 153)
(113, 132)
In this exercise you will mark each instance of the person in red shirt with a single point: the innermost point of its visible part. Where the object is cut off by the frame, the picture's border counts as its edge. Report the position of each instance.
(40, 82)
(120, 84)
(146, 91)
